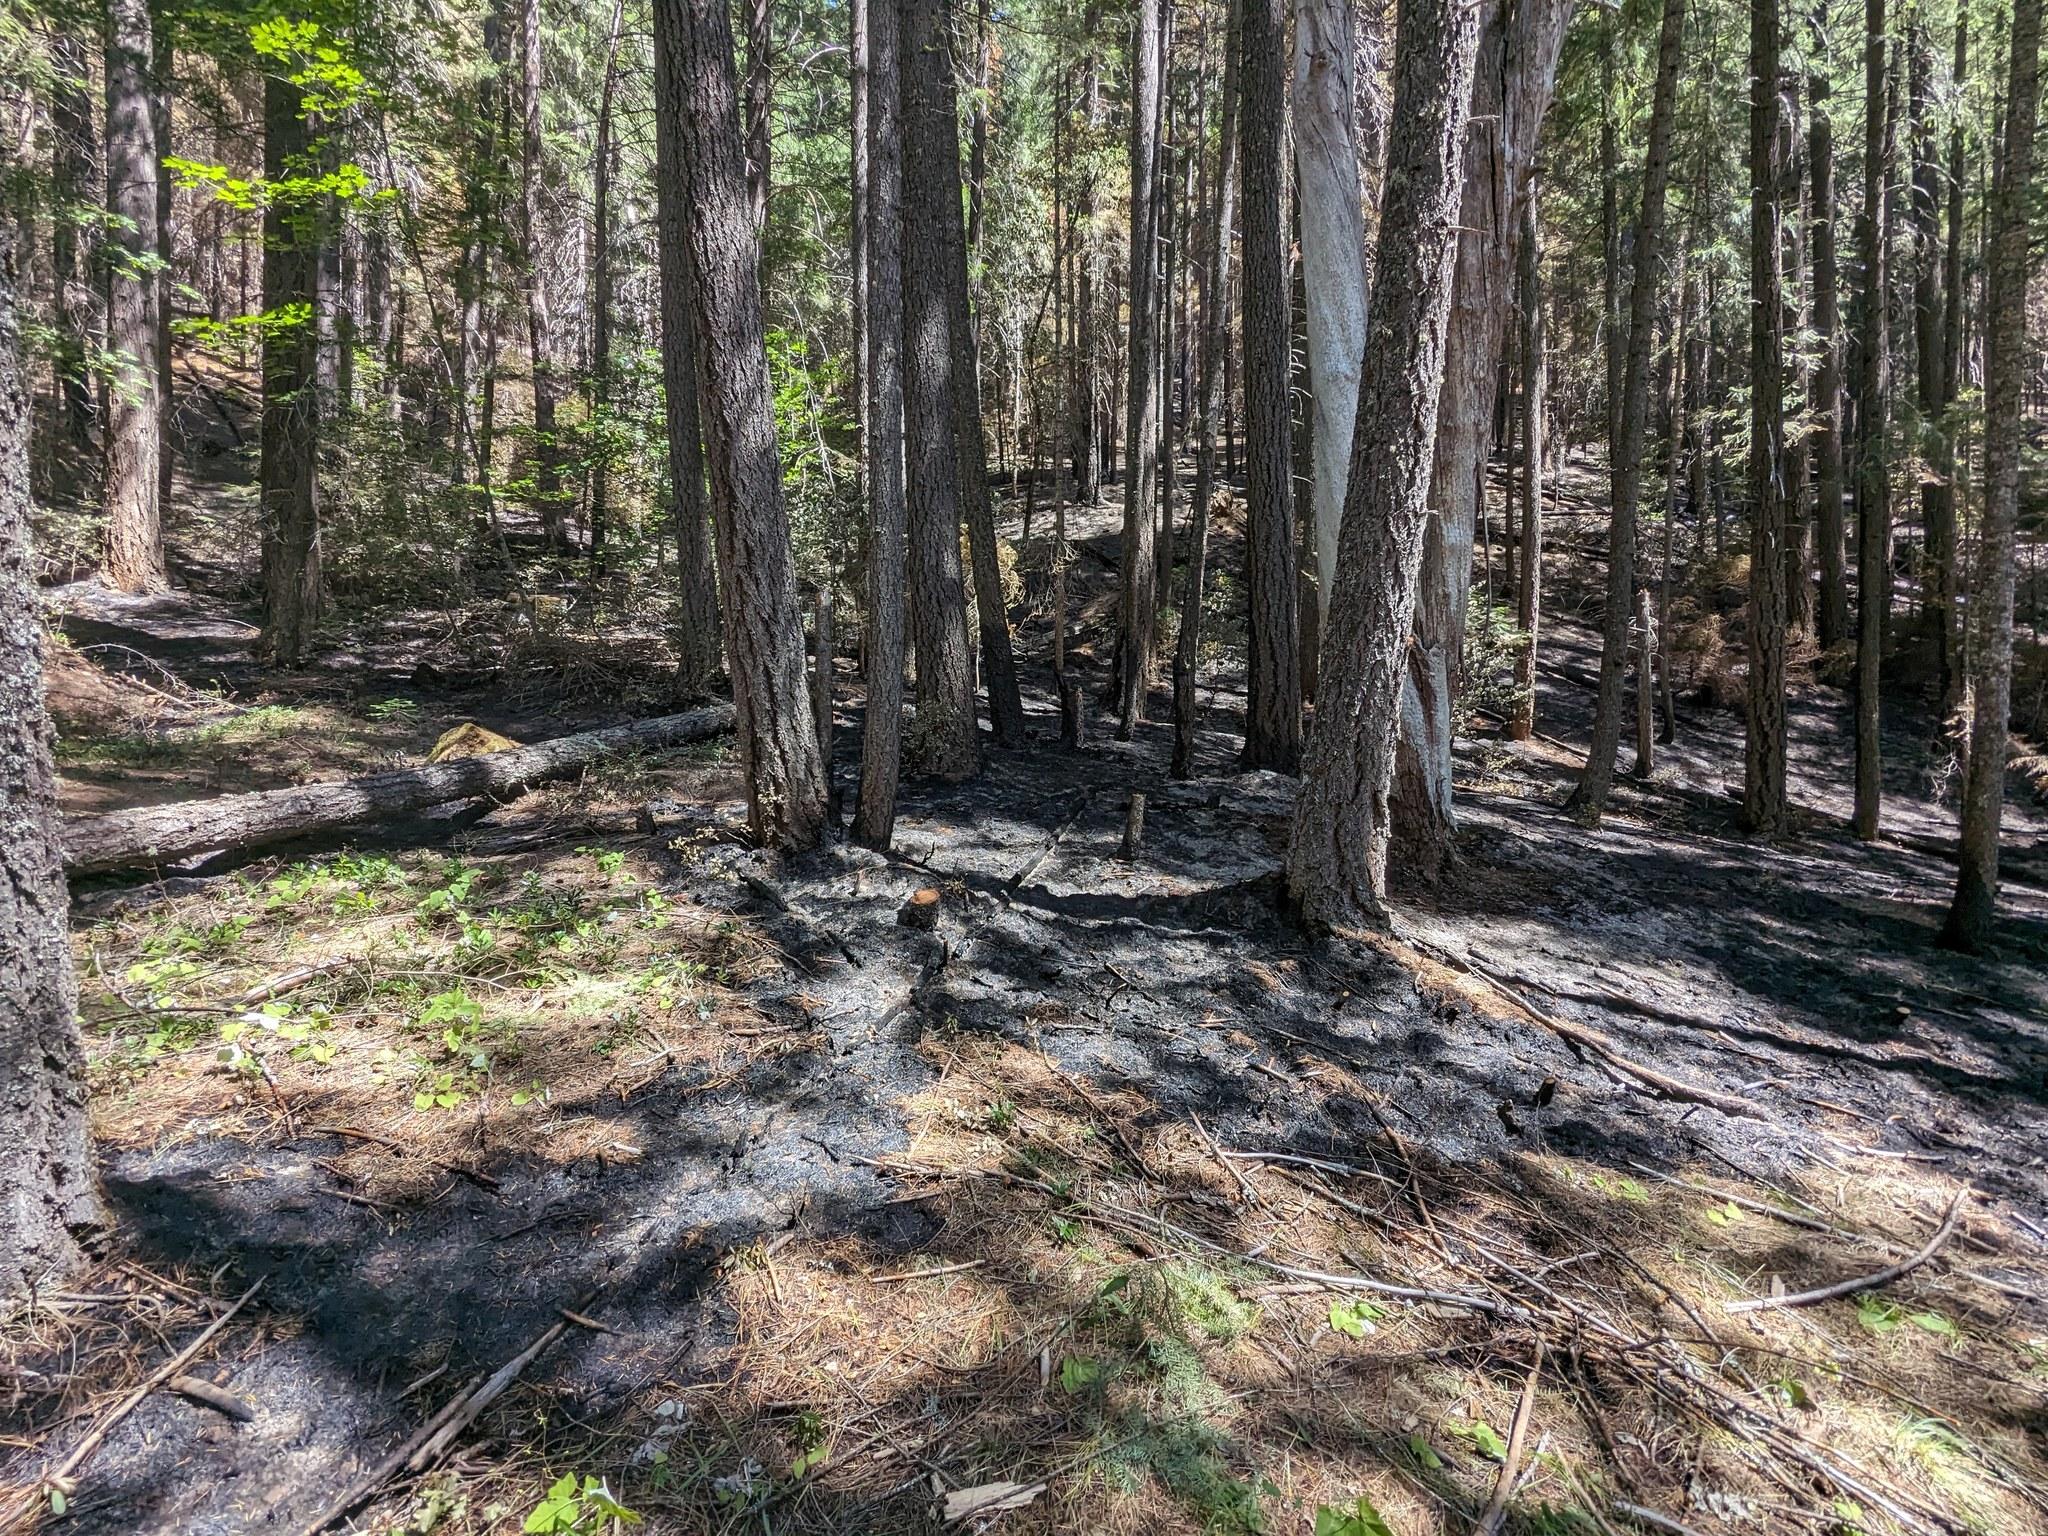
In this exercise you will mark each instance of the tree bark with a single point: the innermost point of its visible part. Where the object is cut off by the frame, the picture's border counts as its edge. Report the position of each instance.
(760, 106)
(159, 834)
(1763, 777)
(1529, 591)
(1138, 594)
(1937, 490)
(1337, 850)
(1873, 480)
(764, 637)
(1272, 737)
(1589, 799)
(540, 343)
(1517, 69)
(1215, 350)
(46, 1176)
(604, 162)
(681, 395)
(132, 496)
(881, 737)
(1827, 327)
(74, 157)
(1972, 912)
(289, 472)
(1334, 254)
(945, 742)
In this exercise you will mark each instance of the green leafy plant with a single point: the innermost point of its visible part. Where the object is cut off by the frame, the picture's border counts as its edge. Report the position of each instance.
(576, 1507)
(1361, 1519)
(1354, 1317)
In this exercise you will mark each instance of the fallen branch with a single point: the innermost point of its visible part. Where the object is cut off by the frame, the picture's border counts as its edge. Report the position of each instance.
(217, 1398)
(157, 834)
(1870, 1282)
(1510, 1465)
(59, 1477)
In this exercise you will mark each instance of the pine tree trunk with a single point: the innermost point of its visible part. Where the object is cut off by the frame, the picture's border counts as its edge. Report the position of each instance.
(1873, 481)
(681, 395)
(1971, 914)
(74, 156)
(540, 343)
(1272, 737)
(764, 636)
(604, 163)
(289, 473)
(1589, 799)
(1937, 491)
(1087, 385)
(1138, 596)
(1518, 52)
(163, 78)
(1337, 850)
(1334, 254)
(760, 105)
(881, 736)
(46, 1176)
(1763, 777)
(998, 663)
(945, 742)
(1529, 591)
(1827, 326)
(133, 489)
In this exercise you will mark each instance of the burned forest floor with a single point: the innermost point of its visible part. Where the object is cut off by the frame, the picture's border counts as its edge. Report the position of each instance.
(677, 1184)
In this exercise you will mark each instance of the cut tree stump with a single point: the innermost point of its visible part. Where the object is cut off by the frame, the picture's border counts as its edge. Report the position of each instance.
(157, 834)
(921, 911)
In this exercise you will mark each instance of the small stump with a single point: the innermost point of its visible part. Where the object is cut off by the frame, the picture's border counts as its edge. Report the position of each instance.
(921, 911)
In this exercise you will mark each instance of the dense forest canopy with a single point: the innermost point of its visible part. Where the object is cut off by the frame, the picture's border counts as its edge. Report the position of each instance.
(745, 672)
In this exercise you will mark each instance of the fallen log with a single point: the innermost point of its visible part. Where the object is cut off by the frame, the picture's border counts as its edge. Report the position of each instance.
(157, 834)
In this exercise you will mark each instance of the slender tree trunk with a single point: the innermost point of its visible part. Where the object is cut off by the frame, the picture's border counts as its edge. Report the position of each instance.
(1517, 67)
(604, 165)
(1334, 254)
(682, 385)
(1937, 490)
(1529, 591)
(1614, 314)
(1873, 480)
(858, 47)
(163, 77)
(1763, 778)
(1952, 268)
(1827, 327)
(1139, 598)
(1215, 353)
(1273, 685)
(1337, 851)
(1087, 388)
(760, 105)
(289, 473)
(46, 1176)
(540, 342)
(998, 663)
(74, 158)
(1625, 471)
(881, 737)
(1971, 914)
(946, 742)
(1799, 596)
(133, 488)
(763, 629)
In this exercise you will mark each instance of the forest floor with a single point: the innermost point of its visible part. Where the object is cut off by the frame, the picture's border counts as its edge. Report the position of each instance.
(1113, 1204)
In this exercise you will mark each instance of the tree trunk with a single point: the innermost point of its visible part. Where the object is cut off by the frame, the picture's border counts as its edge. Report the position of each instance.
(163, 77)
(764, 636)
(133, 489)
(998, 664)
(1215, 352)
(74, 156)
(159, 834)
(603, 167)
(1625, 469)
(1763, 777)
(1937, 490)
(1827, 326)
(681, 396)
(1138, 596)
(1272, 737)
(540, 343)
(1873, 481)
(1518, 51)
(1088, 469)
(1337, 850)
(1333, 251)
(46, 1177)
(1971, 914)
(945, 742)
(760, 105)
(1529, 592)
(881, 736)
(289, 473)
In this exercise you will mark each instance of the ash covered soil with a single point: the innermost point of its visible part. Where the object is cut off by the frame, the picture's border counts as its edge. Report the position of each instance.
(1799, 980)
